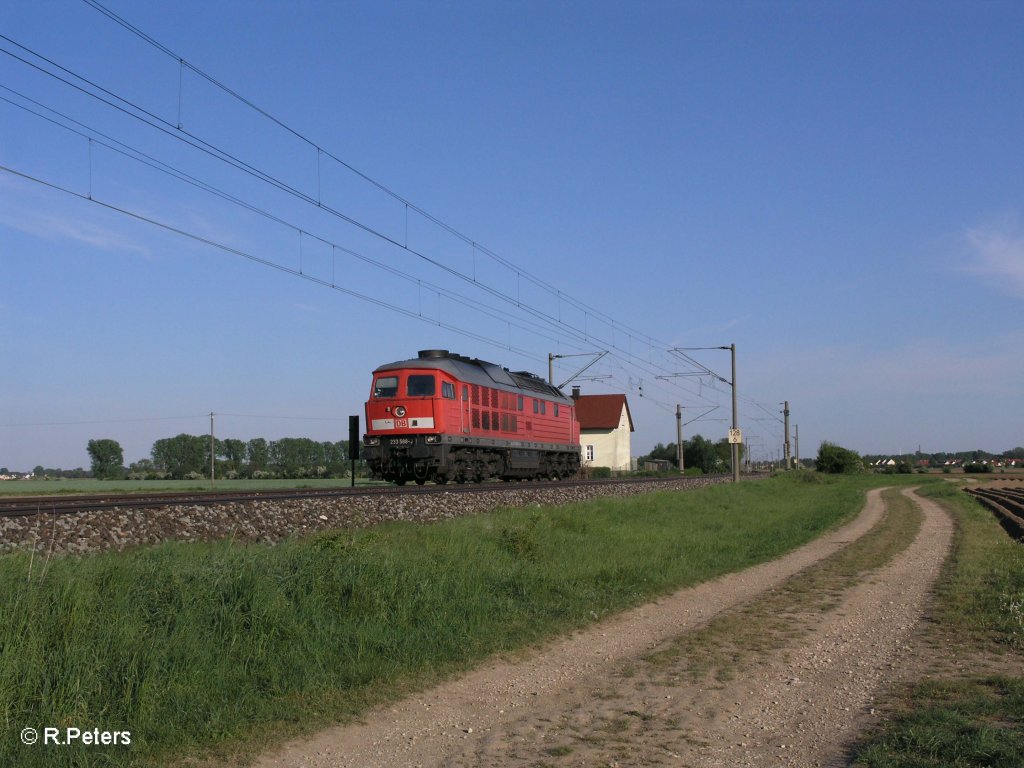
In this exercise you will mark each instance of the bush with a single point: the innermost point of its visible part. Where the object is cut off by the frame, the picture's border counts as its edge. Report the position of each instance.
(836, 460)
(600, 472)
(977, 468)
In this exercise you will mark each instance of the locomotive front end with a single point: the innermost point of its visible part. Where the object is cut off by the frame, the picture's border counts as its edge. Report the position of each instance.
(403, 421)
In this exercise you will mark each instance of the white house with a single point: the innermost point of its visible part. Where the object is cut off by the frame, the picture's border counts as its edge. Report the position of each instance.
(605, 427)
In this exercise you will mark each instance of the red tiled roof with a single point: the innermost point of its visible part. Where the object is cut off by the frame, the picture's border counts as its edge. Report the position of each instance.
(602, 411)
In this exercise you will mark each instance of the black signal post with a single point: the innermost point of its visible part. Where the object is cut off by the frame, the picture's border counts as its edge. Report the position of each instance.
(353, 444)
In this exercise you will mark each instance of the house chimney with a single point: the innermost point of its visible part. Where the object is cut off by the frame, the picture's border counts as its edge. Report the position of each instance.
(575, 393)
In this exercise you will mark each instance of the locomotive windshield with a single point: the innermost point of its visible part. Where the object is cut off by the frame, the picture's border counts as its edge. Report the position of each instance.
(385, 386)
(420, 386)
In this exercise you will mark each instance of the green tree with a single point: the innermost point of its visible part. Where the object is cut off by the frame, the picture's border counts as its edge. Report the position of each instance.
(700, 452)
(107, 458)
(182, 455)
(723, 450)
(257, 451)
(837, 460)
(336, 455)
(662, 452)
(296, 456)
(233, 452)
(143, 469)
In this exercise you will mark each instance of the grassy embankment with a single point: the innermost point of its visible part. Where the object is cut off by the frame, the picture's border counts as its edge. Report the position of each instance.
(220, 649)
(970, 710)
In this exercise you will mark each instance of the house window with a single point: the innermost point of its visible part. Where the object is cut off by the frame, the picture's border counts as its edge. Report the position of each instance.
(589, 453)
(520, 402)
(556, 409)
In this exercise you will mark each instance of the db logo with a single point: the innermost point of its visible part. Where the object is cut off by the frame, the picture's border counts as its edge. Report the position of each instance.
(401, 423)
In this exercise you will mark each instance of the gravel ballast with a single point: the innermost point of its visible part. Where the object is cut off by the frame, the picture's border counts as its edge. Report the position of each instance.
(271, 521)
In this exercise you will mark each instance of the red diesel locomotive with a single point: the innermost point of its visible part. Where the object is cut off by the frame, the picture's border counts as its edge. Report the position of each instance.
(444, 417)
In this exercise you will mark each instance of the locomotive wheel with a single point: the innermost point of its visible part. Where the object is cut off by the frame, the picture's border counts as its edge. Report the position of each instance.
(420, 481)
(441, 479)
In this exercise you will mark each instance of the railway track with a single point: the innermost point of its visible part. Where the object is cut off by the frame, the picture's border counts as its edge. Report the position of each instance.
(69, 505)
(1006, 503)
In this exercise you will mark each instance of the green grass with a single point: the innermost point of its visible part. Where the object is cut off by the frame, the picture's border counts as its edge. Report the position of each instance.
(955, 723)
(969, 717)
(216, 650)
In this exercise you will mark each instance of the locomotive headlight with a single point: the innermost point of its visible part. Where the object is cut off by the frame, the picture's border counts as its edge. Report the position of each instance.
(432, 439)
(371, 441)
(400, 411)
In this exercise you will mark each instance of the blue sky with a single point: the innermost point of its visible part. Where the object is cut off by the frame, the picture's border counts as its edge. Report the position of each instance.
(836, 188)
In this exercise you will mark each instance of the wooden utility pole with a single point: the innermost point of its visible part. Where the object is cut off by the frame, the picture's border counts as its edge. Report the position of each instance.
(212, 452)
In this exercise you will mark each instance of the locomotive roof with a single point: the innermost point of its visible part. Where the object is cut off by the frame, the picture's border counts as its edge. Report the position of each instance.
(475, 371)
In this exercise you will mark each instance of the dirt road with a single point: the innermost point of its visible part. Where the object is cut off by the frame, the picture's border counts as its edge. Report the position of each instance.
(594, 698)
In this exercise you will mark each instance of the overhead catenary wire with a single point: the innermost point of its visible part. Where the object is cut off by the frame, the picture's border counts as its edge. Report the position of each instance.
(573, 334)
(184, 63)
(257, 259)
(165, 127)
(139, 156)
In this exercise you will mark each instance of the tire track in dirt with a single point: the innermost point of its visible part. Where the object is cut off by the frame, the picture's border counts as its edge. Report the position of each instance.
(516, 712)
(801, 706)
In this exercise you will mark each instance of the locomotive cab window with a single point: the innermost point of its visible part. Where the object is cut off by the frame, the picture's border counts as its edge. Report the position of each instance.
(447, 390)
(420, 386)
(385, 386)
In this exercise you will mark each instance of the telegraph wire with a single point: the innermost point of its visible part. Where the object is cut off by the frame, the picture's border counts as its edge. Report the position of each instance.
(387, 190)
(107, 421)
(581, 335)
(158, 165)
(223, 156)
(266, 262)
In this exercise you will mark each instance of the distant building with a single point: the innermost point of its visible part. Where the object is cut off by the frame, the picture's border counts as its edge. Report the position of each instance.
(605, 427)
